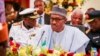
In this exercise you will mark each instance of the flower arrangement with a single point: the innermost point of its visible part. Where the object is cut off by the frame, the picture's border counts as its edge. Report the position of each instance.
(17, 50)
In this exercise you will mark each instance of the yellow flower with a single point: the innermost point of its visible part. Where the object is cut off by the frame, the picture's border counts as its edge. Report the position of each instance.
(22, 51)
(79, 54)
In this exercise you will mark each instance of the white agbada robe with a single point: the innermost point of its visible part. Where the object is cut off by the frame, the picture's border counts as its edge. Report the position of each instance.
(71, 39)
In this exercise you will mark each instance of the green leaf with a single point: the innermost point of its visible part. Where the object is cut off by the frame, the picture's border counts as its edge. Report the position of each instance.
(44, 43)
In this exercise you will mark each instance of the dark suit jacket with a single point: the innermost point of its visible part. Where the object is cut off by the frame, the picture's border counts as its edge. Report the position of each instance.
(81, 27)
(46, 19)
(94, 40)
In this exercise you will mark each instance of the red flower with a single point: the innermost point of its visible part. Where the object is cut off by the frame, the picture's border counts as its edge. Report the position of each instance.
(99, 52)
(50, 51)
(14, 50)
(62, 54)
(17, 45)
(88, 53)
(14, 46)
(42, 54)
(70, 54)
(11, 43)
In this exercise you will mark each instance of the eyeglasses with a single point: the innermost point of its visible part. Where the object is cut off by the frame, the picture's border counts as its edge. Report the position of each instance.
(57, 19)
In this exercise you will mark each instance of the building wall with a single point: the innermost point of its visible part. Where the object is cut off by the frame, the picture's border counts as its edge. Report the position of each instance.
(91, 3)
(23, 3)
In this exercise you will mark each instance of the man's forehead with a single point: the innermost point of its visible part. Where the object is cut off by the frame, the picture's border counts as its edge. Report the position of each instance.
(31, 18)
(77, 17)
(38, 2)
(77, 14)
(56, 15)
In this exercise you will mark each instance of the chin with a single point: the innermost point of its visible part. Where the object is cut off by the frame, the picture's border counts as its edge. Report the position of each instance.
(55, 30)
(31, 26)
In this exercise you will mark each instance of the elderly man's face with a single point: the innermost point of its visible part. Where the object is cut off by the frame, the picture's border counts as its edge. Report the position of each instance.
(95, 24)
(76, 19)
(57, 22)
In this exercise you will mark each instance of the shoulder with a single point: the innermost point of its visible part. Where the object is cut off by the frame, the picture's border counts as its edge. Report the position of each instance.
(92, 34)
(47, 15)
(45, 27)
(68, 27)
(17, 23)
(74, 30)
(88, 31)
(77, 33)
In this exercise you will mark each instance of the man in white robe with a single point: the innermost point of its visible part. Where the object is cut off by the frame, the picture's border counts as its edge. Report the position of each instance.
(59, 35)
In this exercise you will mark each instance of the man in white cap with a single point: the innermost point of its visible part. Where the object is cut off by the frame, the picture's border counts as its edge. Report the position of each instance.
(59, 35)
(22, 32)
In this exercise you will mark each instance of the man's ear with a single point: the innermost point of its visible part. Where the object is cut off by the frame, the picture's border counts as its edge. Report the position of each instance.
(65, 20)
(45, 6)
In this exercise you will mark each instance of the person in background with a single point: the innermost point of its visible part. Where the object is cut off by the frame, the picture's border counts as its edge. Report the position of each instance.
(89, 10)
(24, 31)
(10, 13)
(12, 10)
(86, 25)
(18, 9)
(59, 35)
(44, 18)
(94, 33)
(77, 19)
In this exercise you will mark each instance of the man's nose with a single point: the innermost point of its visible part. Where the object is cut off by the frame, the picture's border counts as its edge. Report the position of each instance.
(53, 21)
(77, 19)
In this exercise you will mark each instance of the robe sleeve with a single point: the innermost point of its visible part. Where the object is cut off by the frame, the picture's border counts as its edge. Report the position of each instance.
(80, 41)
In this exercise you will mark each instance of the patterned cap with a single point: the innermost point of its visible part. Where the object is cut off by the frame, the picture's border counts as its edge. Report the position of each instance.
(58, 10)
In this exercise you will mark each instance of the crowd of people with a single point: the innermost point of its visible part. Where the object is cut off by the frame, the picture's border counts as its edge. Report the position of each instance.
(32, 26)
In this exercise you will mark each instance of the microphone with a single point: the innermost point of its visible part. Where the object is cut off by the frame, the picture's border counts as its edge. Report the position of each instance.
(11, 38)
(40, 38)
